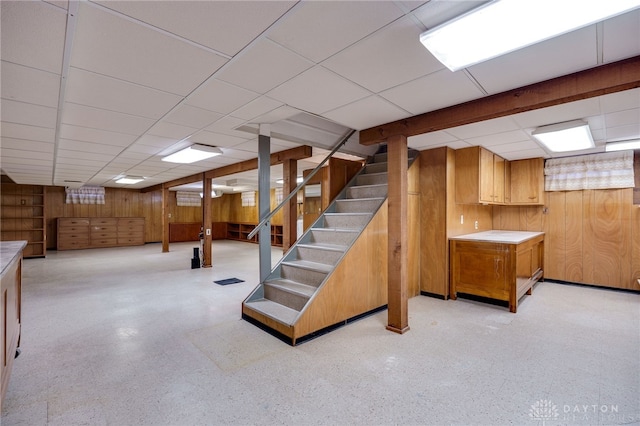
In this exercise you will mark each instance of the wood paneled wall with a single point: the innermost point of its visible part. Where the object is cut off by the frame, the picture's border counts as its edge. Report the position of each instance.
(133, 203)
(591, 236)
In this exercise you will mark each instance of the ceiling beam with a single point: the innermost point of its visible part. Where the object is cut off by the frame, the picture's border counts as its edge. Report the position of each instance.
(598, 81)
(297, 153)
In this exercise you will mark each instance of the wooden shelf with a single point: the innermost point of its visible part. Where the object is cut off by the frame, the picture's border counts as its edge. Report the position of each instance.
(239, 231)
(23, 217)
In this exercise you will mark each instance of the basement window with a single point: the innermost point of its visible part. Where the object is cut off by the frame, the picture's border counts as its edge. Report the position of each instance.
(85, 195)
(188, 199)
(611, 170)
(248, 199)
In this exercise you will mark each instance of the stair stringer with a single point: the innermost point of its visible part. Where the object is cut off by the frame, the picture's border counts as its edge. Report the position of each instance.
(357, 285)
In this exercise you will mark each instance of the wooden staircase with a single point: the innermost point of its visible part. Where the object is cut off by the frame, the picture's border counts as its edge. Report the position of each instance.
(336, 271)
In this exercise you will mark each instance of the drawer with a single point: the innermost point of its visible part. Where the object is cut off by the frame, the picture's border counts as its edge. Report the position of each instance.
(103, 242)
(73, 244)
(136, 234)
(97, 235)
(130, 228)
(78, 236)
(130, 241)
(103, 228)
(73, 221)
(130, 221)
(104, 221)
(73, 229)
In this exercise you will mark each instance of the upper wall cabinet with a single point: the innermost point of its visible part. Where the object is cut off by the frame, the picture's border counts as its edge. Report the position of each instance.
(527, 181)
(480, 176)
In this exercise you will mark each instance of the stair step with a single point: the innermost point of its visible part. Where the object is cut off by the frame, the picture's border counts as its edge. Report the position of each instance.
(309, 265)
(380, 158)
(274, 310)
(367, 191)
(359, 205)
(375, 168)
(289, 293)
(333, 236)
(371, 178)
(328, 254)
(346, 220)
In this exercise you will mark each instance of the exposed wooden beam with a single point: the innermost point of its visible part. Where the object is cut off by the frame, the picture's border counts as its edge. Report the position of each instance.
(297, 153)
(598, 81)
(183, 180)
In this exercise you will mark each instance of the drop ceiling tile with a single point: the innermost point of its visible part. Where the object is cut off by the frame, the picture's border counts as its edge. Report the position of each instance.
(97, 148)
(8, 153)
(87, 134)
(622, 118)
(190, 116)
(132, 155)
(621, 37)
(318, 90)
(27, 145)
(103, 44)
(434, 13)
(620, 101)
(558, 113)
(497, 139)
(512, 147)
(256, 108)
(220, 97)
(264, 66)
(99, 91)
(277, 115)
(365, 113)
(483, 128)
(525, 154)
(223, 26)
(427, 140)
(217, 139)
(32, 34)
(172, 131)
(566, 54)
(434, 91)
(318, 29)
(29, 85)
(620, 133)
(22, 131)
(405, 58)
(28, 114)
(102, 119)
(146, 149)
(249, 146)
(24, 161)
(227, 126)
(237, 154)
(157, 141)
(84, 156)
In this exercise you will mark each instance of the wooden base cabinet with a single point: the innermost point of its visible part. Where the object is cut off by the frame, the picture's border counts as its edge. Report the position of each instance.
(486, 265)
(84, 232)
(11, 254)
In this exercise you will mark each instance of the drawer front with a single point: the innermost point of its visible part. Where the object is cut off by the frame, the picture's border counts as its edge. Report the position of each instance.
(99, 229)
(104, 221)
(131, 221)
(72, 221)
(77, 236)
(73, 244)
(130, 228)
(130, 240)
(104, 242)
(74, 229)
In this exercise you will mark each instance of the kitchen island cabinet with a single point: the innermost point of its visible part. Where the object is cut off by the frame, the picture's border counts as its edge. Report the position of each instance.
(500, 265)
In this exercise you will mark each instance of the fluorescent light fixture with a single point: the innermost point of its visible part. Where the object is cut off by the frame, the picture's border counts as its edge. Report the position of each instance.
(568, 136)
(503, 26)
(298, 180)
(622, 145)
(130, 180)
(193, 153)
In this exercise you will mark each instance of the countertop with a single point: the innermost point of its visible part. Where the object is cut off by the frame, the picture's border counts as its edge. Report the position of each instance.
(9, 250)
(505, 237)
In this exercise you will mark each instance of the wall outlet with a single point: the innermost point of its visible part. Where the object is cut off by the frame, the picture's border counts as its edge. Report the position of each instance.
(208, 231)
(475, 225)
(461, 219)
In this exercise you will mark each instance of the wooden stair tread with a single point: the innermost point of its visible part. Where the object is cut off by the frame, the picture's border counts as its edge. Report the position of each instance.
(293, 287)
(274, 310)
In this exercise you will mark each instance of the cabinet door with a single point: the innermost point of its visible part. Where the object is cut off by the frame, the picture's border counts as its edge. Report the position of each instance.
(498, 179)
(527, 181)
(486, 176)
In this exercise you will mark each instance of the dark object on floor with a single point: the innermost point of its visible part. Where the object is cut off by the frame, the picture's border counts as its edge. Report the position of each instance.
(229, 281)
(195, 260)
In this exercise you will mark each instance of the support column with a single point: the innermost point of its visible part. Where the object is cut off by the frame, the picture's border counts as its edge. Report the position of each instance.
(206, 221)
(397, 157)
(264, 204)
(290, 210)
(165, 219)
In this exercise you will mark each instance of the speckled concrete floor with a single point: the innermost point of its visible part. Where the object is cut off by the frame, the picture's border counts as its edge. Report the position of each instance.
(133, 336)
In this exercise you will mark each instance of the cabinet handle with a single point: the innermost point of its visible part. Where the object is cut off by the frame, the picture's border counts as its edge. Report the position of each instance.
(533, 198)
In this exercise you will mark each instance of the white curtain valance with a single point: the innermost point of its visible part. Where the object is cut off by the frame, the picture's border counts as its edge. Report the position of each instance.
(188, 199)
(609, 170)
(248, 199)
(85, 195)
